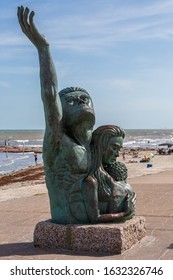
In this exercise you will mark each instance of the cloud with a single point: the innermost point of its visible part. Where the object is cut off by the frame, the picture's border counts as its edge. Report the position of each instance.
(4, 85)
(9, 39)
(109, 25)
(97, 25)
(124, 85)
(18, 70)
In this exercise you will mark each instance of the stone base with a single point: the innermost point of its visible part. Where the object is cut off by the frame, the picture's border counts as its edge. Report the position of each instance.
(102, 238)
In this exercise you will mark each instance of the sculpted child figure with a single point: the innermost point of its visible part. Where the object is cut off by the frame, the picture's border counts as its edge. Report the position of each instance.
(69, 121)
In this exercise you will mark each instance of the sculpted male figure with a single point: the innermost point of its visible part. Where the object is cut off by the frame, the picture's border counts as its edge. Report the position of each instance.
(69, 118)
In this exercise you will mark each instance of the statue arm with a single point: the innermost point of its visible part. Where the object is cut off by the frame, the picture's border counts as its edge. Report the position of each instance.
(48, 77)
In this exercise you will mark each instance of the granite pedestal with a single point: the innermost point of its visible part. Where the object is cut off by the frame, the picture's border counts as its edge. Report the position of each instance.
(108, 238)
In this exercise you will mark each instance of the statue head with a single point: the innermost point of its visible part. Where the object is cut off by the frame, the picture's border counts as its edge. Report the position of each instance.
(107, 140)
(77, 106)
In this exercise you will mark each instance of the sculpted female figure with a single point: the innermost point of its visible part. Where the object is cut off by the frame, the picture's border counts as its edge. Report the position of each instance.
(106, 195)
(114, 194)
(69, 118)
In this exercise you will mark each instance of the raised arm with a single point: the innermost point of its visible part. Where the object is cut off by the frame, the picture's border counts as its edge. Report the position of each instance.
(48, 77)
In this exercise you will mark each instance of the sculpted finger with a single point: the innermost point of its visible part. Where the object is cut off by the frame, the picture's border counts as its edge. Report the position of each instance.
(31, 21)
(31, 16)
(25, 20)
(19, 11)
(20, 15)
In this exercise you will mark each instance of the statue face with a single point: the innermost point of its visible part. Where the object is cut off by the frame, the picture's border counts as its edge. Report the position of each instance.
(78, 100)
(75, 105)
(112, 151)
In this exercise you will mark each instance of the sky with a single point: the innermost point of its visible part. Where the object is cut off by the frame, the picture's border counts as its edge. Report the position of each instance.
(121, 52)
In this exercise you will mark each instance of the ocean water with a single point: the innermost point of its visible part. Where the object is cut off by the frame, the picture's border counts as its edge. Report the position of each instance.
(9, 162)
(19, 138)
(147, 138)
(16, 161)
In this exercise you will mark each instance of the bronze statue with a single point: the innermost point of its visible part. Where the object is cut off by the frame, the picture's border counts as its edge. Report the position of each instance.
(75, 190)
(106, 195)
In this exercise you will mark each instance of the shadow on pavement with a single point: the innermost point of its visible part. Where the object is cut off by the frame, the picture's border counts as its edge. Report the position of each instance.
(28, 249)
(170, 246)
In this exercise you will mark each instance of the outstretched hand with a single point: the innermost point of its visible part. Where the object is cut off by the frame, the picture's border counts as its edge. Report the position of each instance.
(28, 27)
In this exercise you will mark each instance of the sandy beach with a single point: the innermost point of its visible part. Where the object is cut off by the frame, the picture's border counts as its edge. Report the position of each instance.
(23, 183)
(31, 181)
(159, 163)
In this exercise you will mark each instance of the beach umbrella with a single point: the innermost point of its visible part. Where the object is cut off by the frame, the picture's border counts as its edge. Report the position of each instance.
(166, 144)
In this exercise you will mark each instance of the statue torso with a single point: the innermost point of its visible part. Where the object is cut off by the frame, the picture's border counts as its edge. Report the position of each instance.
(69, 166)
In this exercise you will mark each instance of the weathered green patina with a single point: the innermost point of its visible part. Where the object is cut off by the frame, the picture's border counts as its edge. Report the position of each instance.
(85, 182)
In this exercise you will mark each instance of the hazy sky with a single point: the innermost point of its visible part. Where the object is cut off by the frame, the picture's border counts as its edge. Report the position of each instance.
(121, 52)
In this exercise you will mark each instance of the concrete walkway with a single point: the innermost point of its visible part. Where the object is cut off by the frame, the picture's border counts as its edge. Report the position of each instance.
(18, 218)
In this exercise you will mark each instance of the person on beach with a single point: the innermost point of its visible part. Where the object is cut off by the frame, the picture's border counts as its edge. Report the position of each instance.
(124, 155)
(35, 157)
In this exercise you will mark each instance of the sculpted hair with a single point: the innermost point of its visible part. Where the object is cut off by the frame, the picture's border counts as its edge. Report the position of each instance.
(99, 143)
(71, 89)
